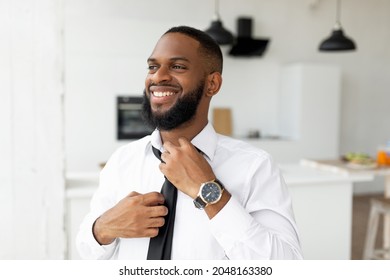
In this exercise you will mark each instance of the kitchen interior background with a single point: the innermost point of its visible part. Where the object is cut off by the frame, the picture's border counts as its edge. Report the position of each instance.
(65, 61)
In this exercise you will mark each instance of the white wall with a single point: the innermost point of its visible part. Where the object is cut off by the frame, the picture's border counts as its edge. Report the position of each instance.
(31, 130)
(107, 43)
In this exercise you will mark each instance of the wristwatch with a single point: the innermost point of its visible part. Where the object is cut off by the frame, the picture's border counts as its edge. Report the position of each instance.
(209, 193)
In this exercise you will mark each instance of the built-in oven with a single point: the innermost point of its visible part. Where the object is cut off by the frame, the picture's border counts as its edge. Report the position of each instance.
(130, 124)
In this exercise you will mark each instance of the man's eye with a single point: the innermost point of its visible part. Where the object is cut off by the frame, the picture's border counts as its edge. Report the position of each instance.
(180, 67)
(152, 67)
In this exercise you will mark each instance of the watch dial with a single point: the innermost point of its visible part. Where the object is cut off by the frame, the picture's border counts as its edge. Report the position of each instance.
(210, 192)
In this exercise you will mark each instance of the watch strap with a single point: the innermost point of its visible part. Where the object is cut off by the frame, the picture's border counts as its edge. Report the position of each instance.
(220, 184)
(199, 203)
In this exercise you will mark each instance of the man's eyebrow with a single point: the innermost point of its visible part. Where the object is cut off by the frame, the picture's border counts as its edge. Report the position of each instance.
(151, 59)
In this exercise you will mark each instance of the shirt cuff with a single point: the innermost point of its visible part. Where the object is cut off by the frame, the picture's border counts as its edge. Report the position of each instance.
(89, 248)
(230, 224)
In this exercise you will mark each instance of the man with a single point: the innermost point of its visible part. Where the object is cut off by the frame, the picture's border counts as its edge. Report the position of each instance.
(232, 202)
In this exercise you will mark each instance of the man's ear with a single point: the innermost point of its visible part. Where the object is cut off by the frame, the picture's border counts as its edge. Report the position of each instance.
(214, 82)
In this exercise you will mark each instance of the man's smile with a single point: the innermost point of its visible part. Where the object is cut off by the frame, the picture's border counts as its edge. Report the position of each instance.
(162, 94)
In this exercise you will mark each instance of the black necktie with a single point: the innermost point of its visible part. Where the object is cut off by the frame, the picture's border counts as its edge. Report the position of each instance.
(161, 245)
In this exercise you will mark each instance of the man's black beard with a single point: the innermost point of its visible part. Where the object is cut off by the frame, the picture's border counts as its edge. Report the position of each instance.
(181, 112)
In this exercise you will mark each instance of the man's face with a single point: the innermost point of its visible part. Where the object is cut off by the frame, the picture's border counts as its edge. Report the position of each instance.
(175, 83)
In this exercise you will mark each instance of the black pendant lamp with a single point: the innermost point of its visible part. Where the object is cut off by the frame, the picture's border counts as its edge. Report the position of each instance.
(217, 31)
(337, 40)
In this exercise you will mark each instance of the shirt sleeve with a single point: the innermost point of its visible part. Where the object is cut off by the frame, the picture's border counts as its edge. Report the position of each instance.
(87, 245)
(103, 199)
(260, 224)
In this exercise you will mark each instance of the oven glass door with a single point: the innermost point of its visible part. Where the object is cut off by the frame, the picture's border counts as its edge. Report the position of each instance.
(130, 124)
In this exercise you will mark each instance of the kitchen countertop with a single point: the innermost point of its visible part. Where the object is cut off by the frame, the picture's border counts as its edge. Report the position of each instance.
(83, 184)
(303, 174)
(339, 166)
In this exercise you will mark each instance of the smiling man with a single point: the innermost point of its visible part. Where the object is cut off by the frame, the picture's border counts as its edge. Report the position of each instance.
(220, 198)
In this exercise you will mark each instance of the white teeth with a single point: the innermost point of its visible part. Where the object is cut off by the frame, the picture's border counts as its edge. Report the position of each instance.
(162, 94)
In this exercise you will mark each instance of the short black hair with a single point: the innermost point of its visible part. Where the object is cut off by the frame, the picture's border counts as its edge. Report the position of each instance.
(208, 46)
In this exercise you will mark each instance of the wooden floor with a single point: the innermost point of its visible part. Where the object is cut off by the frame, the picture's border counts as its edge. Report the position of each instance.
(361, 208)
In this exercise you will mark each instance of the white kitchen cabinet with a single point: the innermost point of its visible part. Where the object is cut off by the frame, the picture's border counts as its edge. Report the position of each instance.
(322, 202)
(79, 190)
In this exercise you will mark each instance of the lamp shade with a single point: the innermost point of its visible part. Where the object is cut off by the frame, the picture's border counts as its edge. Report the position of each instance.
(337, 42)
(219, 33)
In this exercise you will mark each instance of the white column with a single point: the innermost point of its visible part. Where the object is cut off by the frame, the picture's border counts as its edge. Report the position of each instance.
(31, 129)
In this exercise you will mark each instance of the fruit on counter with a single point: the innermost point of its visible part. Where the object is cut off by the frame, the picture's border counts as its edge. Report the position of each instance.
(359, 158)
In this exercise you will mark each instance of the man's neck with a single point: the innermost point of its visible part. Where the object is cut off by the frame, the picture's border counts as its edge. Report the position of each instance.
(187, 130)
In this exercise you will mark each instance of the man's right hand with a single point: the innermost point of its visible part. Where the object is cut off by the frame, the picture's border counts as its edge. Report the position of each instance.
(136, 215)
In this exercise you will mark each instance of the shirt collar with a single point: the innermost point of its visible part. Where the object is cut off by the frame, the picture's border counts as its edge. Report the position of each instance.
(206, 141)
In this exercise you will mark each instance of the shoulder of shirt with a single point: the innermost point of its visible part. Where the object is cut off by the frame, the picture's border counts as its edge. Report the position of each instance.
(138, 145)
(233, 145)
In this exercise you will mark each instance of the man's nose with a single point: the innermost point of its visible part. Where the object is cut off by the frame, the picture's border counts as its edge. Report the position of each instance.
(161, 75)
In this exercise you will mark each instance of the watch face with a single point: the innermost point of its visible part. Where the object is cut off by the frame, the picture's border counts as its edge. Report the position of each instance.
(211, 192)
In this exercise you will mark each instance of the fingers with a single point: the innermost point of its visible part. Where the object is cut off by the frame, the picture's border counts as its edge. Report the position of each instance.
(156, 222)
(169, 147)
(132, 194)
(153, 199)
(151, 232)
(158, 211)
(175, 152)
(164, 157)
(154, 204)
(183, 144)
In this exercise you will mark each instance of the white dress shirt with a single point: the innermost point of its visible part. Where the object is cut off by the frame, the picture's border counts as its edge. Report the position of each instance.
(256, 223)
